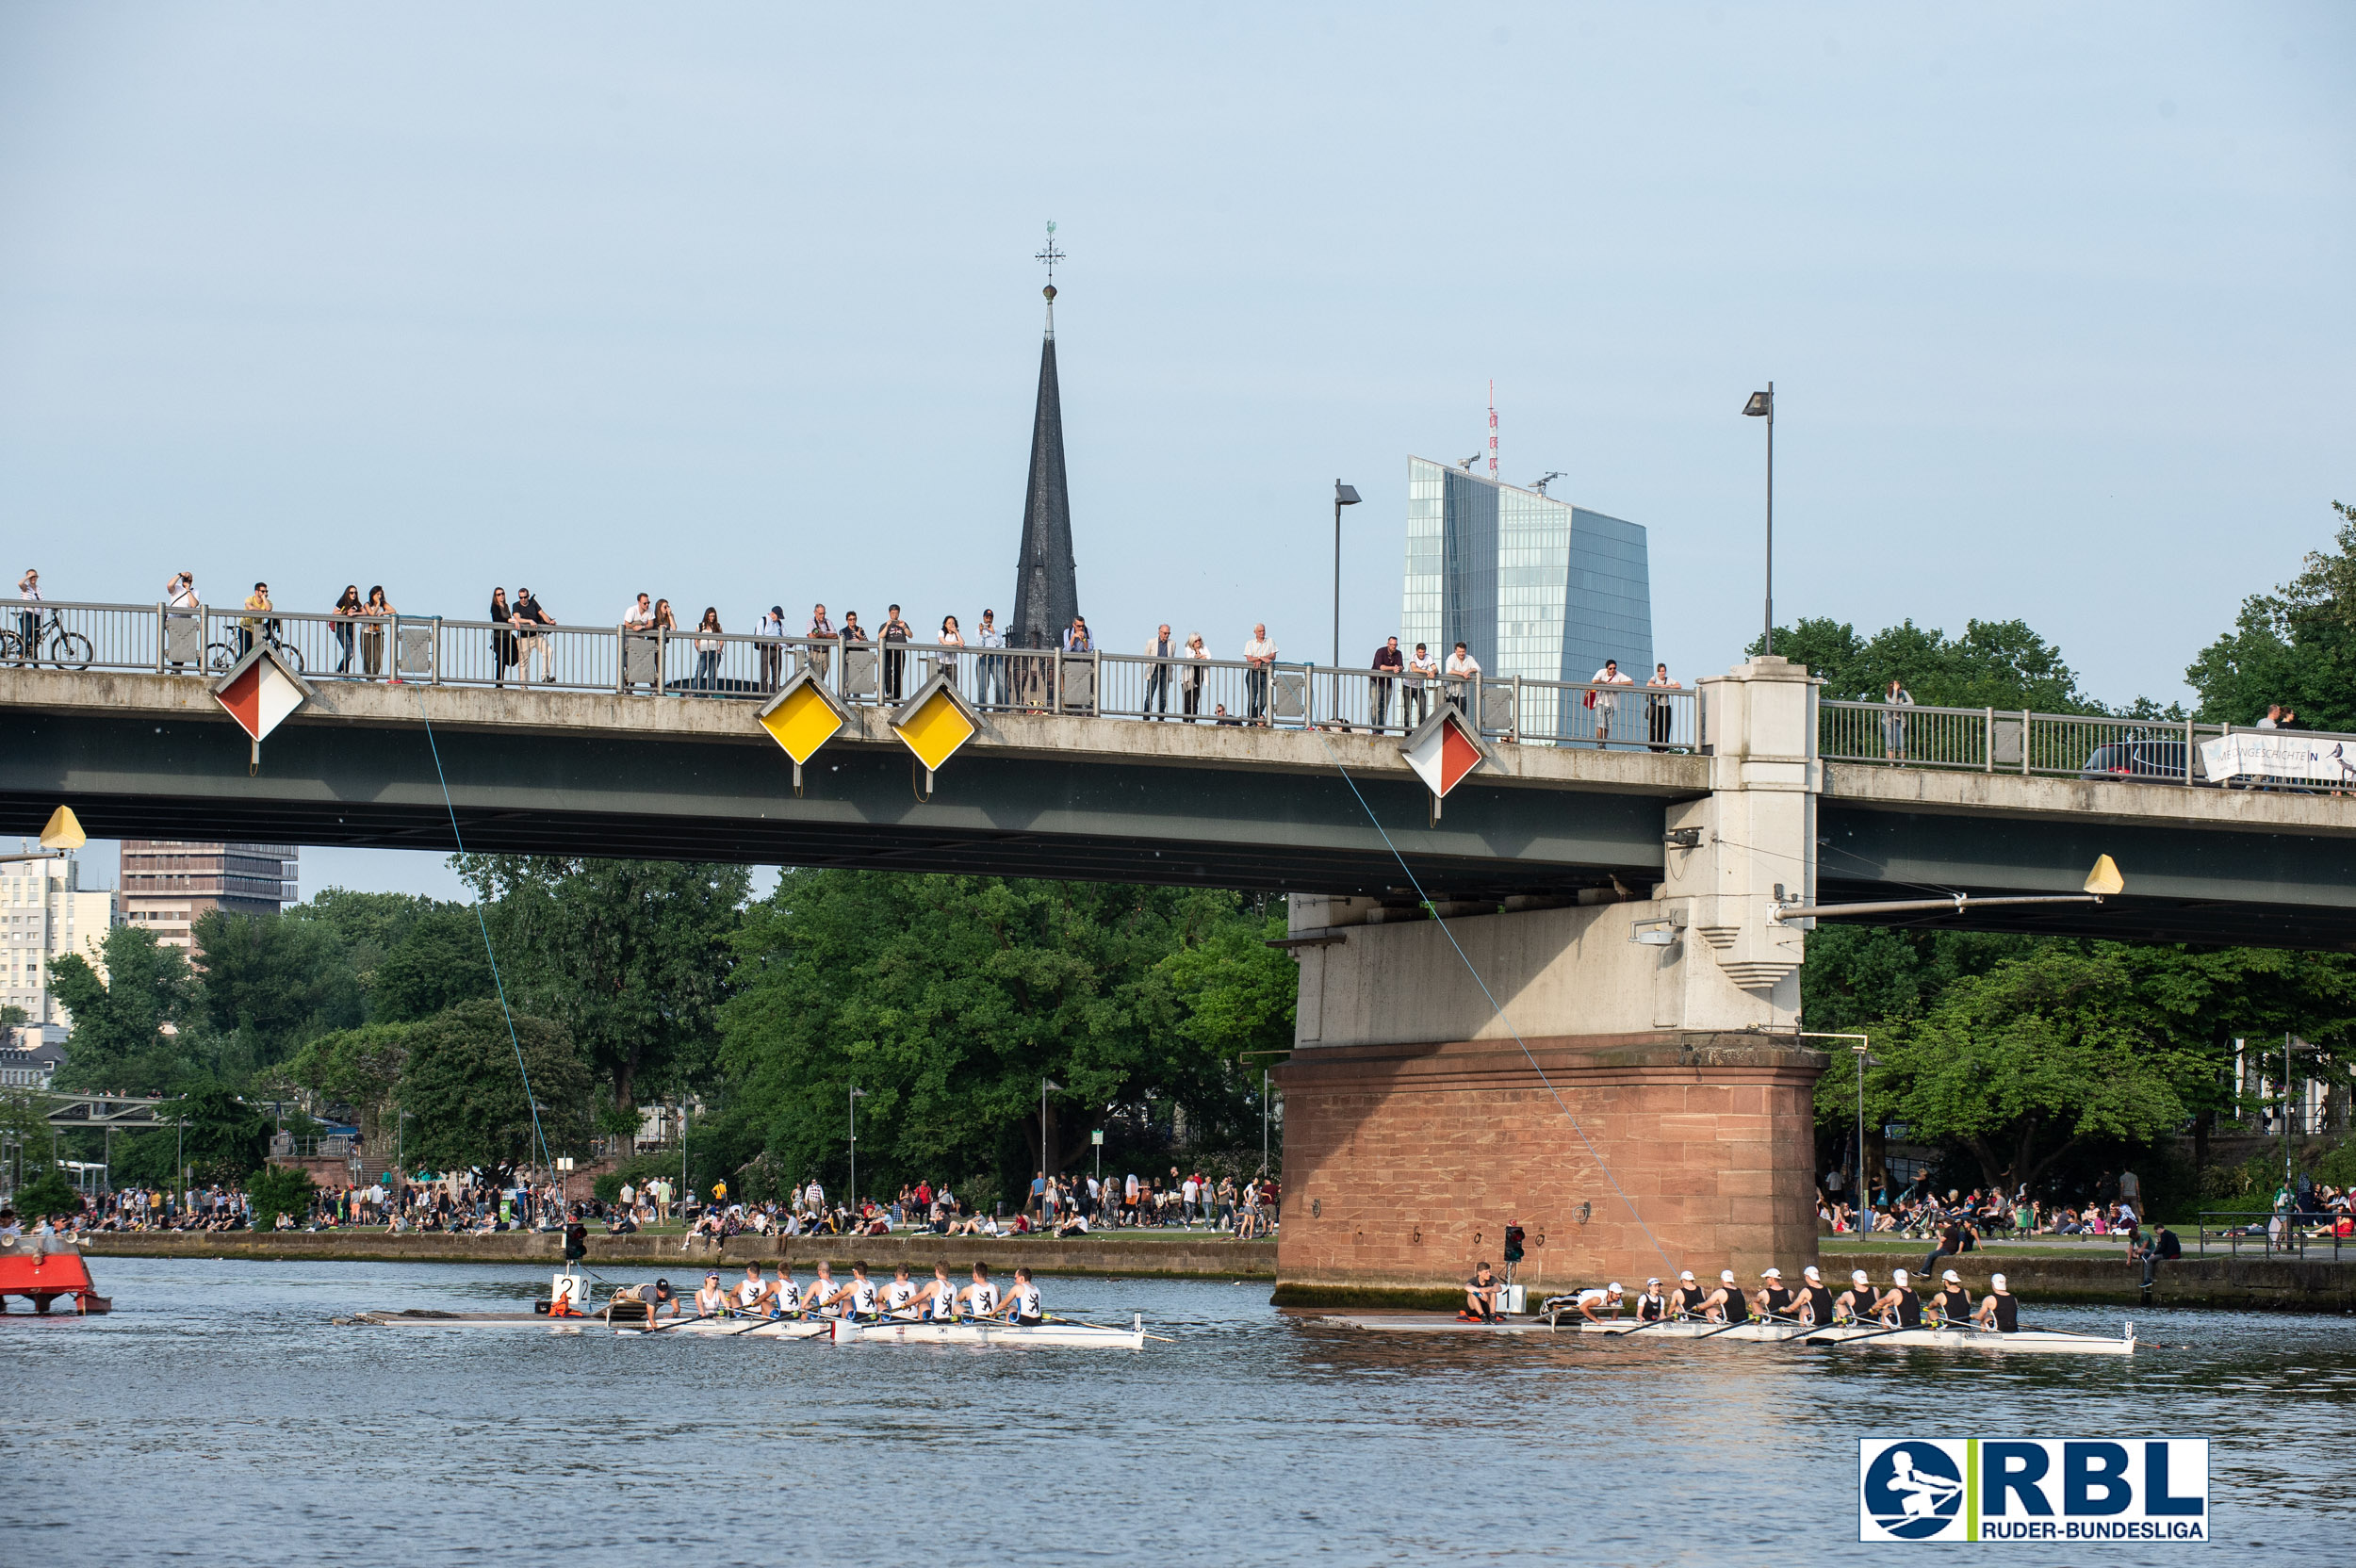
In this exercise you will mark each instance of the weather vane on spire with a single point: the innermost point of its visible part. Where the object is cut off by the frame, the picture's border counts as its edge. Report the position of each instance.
(1050, 255)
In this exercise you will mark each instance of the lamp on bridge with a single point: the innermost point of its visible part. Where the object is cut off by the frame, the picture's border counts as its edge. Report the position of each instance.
(62, 832)
(1762, 406)
(1344, 495)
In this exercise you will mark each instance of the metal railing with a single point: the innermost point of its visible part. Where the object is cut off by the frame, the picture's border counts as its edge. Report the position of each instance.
(2300, 1231)
(2015, 741)
(435, 650)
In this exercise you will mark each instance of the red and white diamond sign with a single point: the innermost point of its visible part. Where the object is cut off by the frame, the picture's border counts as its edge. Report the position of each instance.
(1443, 750)
(260, 692)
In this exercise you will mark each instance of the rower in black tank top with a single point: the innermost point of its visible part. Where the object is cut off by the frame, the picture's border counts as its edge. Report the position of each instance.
(1909, 1307)
(1779, 1302)
(1813, 1306)
(1735, 1307)
(2005, 1309)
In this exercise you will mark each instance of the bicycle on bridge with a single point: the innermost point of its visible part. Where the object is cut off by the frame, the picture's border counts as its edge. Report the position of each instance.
(32, 641)
(222, 657)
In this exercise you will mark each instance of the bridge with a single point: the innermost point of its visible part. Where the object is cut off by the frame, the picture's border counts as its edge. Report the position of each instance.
(1619, 890)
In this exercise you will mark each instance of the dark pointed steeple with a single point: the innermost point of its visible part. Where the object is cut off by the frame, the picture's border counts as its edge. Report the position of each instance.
(1046, 581)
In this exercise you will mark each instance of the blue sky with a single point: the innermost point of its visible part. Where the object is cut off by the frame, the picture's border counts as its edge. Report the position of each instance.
(736, 303)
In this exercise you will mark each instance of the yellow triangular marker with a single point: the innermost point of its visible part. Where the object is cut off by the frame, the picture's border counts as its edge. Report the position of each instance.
(802, 717)
(65, 830)
(2104, 878)
(934, 723)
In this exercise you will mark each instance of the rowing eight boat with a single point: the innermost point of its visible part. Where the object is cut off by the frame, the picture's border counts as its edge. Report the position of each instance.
(971, 1332)
(1862, 1336)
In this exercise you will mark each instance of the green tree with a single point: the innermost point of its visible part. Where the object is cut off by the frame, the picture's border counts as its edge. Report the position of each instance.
(361, 1068)
(631, 956)
(462, 1086)
(119, 1023)
(1993, 664)
(438, 963)
(948, 998)
(222, 1135)
(2296, 645)
(277, 1190)
(271, 982)
(46, 1191)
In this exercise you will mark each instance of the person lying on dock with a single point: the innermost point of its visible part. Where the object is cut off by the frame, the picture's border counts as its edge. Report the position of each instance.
(1600, 1306)
(656, 1298)
(1481, 1295)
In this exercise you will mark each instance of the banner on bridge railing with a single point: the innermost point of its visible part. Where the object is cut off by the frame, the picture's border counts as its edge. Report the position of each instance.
(2279, 753)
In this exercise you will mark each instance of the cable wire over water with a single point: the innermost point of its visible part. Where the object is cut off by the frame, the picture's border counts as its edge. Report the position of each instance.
(1601, 1164)
(531, 1100)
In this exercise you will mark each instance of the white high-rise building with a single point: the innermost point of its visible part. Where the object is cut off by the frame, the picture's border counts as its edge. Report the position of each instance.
(47, 914)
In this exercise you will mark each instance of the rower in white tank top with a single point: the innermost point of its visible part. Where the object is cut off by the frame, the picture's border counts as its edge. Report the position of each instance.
(899, 1293)
(1023, 1304)
(981, 1296)
(789, 1295)
(942, 1297)
(862, 1293)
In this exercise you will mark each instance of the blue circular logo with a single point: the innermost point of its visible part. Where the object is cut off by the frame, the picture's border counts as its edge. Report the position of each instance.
(1912, 1490)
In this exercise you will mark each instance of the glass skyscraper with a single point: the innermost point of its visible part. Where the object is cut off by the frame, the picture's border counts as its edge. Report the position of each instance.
(1532, 586)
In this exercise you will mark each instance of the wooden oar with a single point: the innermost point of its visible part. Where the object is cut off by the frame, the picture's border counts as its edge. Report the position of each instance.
(1077, 1323)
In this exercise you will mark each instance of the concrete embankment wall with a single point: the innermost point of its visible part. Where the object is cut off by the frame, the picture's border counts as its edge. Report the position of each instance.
(1205, 1259)
(2272, 1284)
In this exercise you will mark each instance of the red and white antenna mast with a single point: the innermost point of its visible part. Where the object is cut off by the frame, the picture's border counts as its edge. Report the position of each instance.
(1493, 430)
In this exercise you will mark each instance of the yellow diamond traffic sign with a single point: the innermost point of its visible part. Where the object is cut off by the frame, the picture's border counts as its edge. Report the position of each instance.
(802, 717)
(934, 723)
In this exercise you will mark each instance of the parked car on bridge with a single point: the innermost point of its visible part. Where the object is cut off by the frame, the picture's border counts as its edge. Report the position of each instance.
(2157, 761)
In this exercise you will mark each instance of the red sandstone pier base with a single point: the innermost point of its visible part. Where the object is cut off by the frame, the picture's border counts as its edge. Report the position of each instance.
(1404, 1164)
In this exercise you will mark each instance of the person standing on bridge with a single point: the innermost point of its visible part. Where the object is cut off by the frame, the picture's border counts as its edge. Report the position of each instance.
(1190, 688)
(1894, 721)
(894, 637)
(821, 633)
(992, 668)
(1161, 649)
(637, 625)
(770, 628)
(376, 611)
(28, 621)
(1387, 658)
(347, 611)
(1259, 654)
(1415, 693)
(534, 644)
(1462, 670)
(952, 638)
(503, 639)
(710, 644)
(1659, 714)
(1605, 701)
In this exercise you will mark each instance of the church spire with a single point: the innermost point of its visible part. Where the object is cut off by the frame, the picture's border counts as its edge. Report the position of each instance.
(1046, 585)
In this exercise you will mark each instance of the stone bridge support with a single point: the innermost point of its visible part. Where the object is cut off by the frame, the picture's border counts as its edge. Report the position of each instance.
(1417, 1127)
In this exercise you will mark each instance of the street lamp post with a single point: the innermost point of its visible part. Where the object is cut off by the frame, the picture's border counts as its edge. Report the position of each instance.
(851, 1198)
(1762, 405)
(1044, 1086)
(1344, 495)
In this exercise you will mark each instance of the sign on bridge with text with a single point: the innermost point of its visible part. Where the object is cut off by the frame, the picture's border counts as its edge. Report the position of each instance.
(2033, 1489)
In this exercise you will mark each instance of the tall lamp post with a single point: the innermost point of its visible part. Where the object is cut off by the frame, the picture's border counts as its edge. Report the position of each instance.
(1762, 406)
(1045, 1084)
(851, 1199)
(1344, 495)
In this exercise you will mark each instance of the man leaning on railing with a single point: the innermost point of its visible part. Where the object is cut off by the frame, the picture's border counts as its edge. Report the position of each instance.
(1386, 658)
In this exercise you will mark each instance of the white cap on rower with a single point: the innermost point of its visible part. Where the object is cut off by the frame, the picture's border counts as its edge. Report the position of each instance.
(1685, 1274)
(1772, 1274)
(1951, 1275)
(1654, 1280)
(1996, 1281)
(1613, 1289)
(1811, 1272)
(1857, 1276)
(1898, 1276)
(1725, 1276)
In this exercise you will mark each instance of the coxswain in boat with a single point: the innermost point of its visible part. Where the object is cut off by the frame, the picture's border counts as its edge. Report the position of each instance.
(899, 1297)
(1652, 1306)
(1813, 1304)
(1772, 1299)
(712, 1300)
(1953, 1304)
(1600, 1306)
(2000, 1309)
(1686, 1300)
(1480, 1297)
(657, 1299)
(981, 1296)
(1023, 1306)
(1726, 1303)
(1852, 1305)
(1899, 1306)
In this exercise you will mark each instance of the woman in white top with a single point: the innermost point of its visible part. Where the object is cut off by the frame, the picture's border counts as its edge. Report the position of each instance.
(951, 637)
(708, 648)
(1190, 684)
(1606, 702)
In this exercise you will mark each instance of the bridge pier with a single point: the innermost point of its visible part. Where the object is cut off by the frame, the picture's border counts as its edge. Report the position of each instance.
(1656, 1112)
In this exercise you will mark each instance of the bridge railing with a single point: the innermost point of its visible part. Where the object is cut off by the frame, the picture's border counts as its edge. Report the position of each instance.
(207, 641)
(1997, 739)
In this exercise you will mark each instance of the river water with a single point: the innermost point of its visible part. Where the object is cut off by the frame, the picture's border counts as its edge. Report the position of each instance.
(219, 1416)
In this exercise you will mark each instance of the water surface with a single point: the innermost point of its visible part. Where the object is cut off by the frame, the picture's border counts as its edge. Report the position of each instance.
(219, 1416)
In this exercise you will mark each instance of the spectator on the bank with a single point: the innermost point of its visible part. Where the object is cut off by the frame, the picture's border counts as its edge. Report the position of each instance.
(1386, 658)
(2162, 1247)
(1259, 653)
(1893, 723)
(1660, 713)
